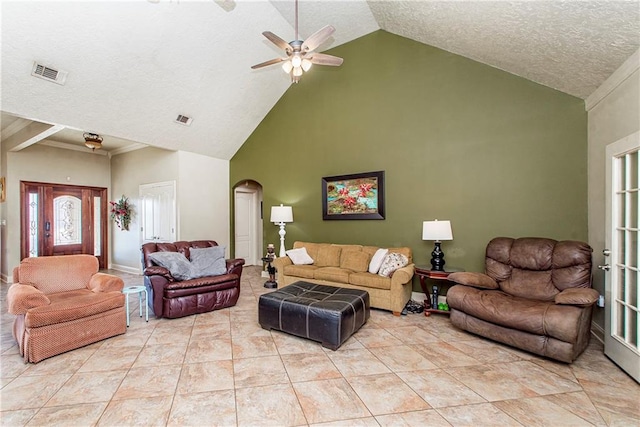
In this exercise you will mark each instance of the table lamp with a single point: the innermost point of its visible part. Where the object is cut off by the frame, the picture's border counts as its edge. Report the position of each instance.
(279, 216)
(437, 231)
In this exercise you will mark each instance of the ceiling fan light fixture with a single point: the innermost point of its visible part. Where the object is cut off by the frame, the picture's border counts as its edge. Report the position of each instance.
(287, 66)
(92, 140)
(296, 60)
(300, 54)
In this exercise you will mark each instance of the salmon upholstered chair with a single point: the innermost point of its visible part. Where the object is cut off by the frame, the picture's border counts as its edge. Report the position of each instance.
(62, 303)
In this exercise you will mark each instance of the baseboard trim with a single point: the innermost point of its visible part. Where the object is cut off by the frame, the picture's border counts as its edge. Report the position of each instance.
(125, 269)
(597, 332)
(6, 279)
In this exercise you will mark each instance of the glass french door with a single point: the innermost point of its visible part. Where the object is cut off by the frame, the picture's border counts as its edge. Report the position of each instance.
(63, 220)
(622, 295)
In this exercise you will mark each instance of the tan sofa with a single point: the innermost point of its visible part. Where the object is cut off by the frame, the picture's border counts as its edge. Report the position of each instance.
(346, 266)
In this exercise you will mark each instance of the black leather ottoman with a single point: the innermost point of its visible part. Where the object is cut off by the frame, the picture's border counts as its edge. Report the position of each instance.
(322, 313)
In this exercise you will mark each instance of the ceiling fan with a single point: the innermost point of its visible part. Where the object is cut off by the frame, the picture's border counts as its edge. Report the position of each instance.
(300, 54)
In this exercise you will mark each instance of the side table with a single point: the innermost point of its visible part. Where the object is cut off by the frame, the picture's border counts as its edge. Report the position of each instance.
(424, 273)
(137, 290)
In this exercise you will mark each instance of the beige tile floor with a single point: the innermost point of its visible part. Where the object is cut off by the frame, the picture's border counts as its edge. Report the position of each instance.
(222, 369)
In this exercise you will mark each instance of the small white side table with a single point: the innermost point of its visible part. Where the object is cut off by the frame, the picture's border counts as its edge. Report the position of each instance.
(137, 290)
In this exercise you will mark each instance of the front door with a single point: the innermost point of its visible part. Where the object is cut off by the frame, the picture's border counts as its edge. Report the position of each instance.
(63, 220)
(622, 295)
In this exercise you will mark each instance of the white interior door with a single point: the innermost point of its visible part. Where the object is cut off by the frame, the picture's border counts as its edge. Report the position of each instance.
(622, 316)
(158, 212)
(245, 225)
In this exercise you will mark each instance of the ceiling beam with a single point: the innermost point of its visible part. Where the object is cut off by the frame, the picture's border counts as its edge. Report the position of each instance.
(29, 135)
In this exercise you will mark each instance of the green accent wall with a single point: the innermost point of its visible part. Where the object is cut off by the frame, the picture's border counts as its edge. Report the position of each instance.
(496, 154)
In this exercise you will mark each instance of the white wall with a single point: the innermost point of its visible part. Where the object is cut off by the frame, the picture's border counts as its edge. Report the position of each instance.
(203, 199)
(129, 171)
(41, 163)
(613, 113)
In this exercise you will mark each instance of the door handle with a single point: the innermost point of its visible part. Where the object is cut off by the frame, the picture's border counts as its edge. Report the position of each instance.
(606, 252)
(605, 267)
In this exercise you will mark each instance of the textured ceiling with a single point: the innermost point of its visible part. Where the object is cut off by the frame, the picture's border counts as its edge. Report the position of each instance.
(572, 46)
(134, 66)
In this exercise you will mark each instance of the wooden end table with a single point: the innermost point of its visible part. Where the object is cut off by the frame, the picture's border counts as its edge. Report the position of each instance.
(425, 273)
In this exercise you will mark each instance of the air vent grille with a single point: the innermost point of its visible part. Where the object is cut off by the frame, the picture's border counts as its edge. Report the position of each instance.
(48, 73)
(184, 120)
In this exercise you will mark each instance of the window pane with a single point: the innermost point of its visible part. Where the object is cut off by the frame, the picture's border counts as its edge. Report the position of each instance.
(97, 232)
(33, 224)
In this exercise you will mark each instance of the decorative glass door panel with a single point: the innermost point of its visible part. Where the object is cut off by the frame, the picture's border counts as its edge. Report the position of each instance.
(67, 220)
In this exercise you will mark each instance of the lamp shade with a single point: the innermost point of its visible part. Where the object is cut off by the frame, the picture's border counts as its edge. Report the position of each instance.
(437, 230)
(281, 214)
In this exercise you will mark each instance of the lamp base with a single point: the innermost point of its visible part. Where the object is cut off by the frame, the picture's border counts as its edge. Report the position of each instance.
(437, 258)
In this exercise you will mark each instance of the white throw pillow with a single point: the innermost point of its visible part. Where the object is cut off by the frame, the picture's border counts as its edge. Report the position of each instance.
(391, 263)
(376, 261)
(299, 256)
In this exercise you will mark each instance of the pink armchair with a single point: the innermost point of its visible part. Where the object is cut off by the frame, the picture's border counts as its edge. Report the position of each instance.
(62, 303)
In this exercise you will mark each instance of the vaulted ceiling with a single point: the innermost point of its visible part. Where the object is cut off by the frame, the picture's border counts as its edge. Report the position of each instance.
(133, 67)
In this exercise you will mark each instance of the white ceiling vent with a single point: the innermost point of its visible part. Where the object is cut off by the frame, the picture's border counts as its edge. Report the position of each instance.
(184, 120)
(48, 73)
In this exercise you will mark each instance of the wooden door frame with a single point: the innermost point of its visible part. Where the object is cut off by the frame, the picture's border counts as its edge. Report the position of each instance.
(24, 221)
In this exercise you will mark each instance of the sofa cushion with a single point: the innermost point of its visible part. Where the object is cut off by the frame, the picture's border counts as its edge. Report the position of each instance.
(299, 256)
(391, 263)
(354, 260)
(500, 308)
(530, 284)
(370, 280)
(333, 274)
(207, 262)
(52, 274)
(304, 271)
(175, 262)
(404, 251)
(312, 248)
(377, 260)
(72, 305)
(328, 256)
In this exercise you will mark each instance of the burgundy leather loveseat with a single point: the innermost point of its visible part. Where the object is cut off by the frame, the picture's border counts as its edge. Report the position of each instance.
(171, 298)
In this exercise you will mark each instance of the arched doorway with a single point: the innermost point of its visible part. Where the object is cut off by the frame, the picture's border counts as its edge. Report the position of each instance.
(247, 197)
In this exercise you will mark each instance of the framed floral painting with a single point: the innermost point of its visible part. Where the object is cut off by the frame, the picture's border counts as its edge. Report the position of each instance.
(355, 196)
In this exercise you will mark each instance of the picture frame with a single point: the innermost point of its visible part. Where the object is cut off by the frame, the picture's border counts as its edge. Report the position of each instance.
(354, 196)
(3, 189)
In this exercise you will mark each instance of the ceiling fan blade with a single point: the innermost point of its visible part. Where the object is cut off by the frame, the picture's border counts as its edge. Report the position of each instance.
(324, 59)
(267, 63)
(277, 41)
(317, 38)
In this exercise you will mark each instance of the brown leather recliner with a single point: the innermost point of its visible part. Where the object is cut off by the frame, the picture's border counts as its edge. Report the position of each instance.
(171, 298)
(536, 295)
